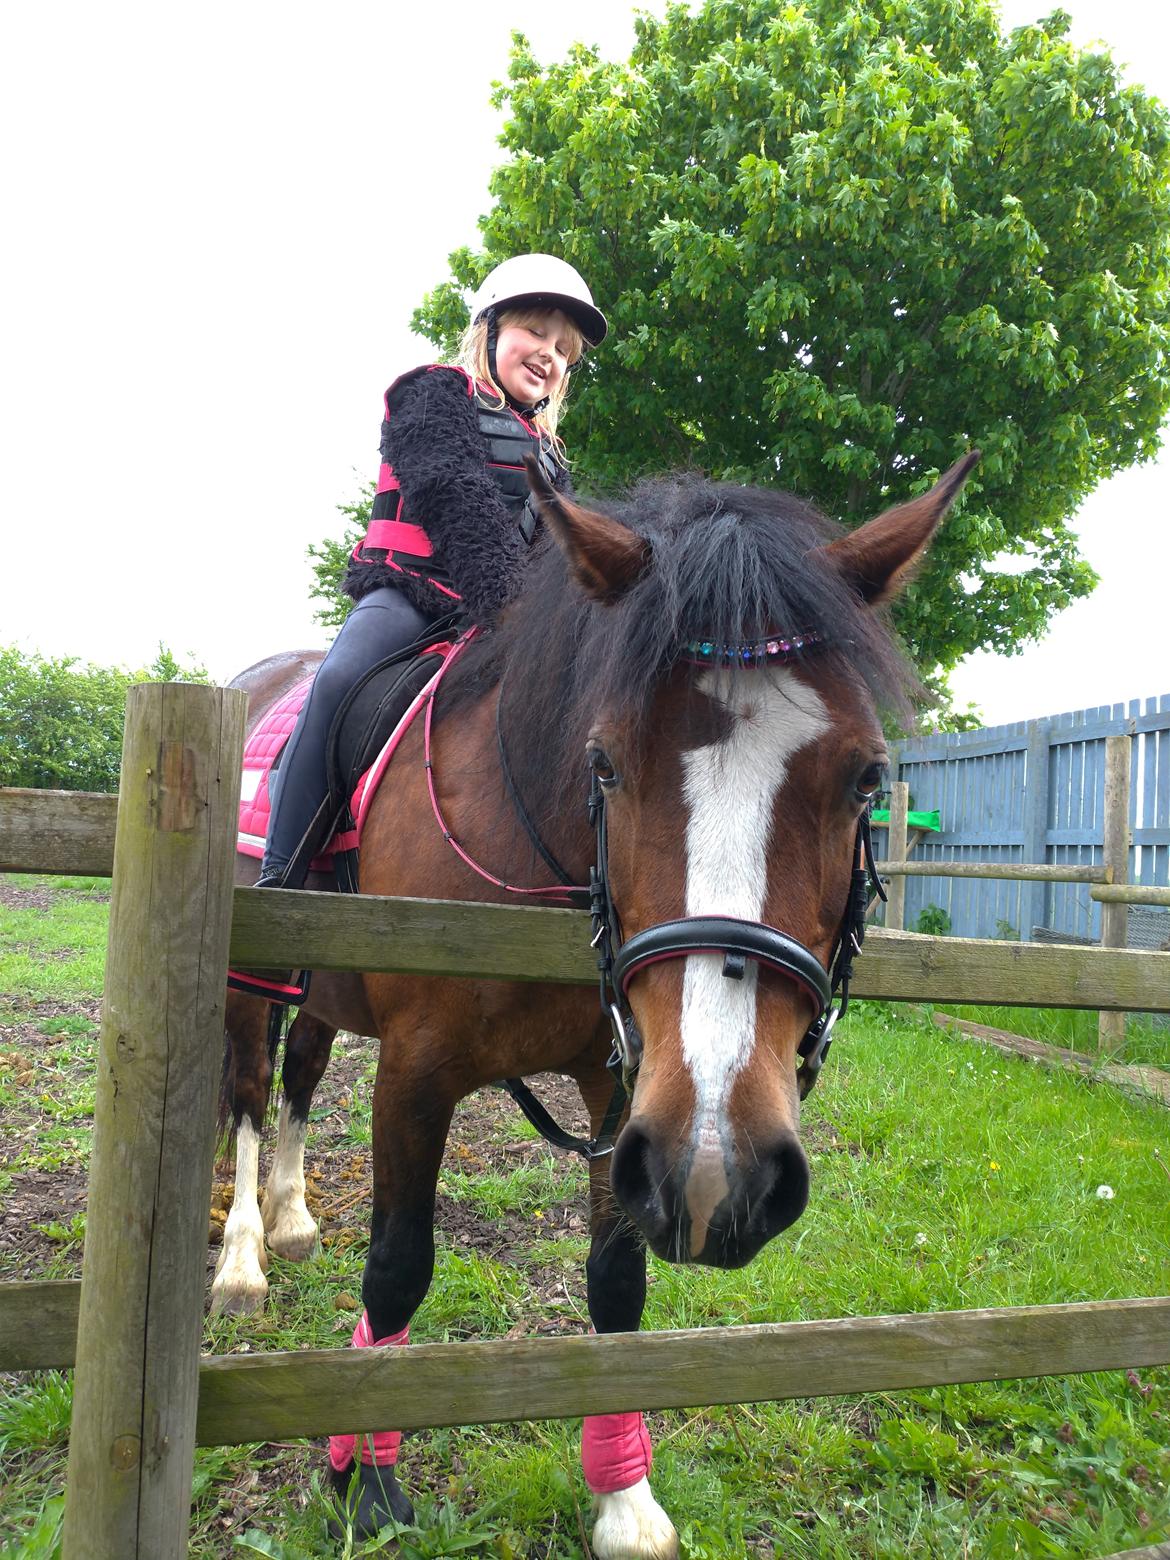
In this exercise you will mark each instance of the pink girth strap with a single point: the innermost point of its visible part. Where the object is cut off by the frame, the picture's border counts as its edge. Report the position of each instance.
(615, 1451)
(379, 1447)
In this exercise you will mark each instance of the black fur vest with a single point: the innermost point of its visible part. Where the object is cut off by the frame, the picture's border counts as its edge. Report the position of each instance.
(449, 526)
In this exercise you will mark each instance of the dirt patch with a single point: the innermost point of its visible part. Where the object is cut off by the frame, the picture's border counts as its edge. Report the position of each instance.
(13, 897)
(37, 1202)
(484, 1136)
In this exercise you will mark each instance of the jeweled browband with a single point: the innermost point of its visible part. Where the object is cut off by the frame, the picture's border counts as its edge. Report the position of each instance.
(761, 652)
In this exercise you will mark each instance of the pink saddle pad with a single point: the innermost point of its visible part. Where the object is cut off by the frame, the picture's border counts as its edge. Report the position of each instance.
(267, 742)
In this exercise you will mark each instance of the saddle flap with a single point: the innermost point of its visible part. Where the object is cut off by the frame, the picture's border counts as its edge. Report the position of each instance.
(370, 723)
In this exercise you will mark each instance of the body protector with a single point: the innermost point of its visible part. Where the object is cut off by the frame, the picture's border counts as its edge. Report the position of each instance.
(403, 545)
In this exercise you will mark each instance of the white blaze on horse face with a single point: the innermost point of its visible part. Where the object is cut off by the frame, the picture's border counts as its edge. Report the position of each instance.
(730, 790)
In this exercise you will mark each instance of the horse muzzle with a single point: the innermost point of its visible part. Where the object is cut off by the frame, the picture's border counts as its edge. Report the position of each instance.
(706, 1204)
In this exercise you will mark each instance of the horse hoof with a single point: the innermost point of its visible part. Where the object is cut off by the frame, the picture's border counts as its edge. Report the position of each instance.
(291, 1237)
(238, 1289)
(363, 1507)
(239, 1300)
(297, 1247)
(631, 1525)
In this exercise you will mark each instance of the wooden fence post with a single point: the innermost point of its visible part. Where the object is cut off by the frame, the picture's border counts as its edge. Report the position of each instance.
(896, 850)
(131, 1450)
(1036, 900)
(1115, 858)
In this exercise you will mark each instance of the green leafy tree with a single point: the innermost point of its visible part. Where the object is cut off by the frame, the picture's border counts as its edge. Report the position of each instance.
(61, 720)
(330, 557)
(842, 241)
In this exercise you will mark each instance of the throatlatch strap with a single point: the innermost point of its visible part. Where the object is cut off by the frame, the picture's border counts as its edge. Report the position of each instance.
(554, 1133)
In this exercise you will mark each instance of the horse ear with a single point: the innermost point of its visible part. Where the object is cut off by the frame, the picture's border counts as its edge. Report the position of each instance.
(605, 558)
(879, 557)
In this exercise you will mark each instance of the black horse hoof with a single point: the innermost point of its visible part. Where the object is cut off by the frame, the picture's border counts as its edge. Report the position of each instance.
(365, 1505)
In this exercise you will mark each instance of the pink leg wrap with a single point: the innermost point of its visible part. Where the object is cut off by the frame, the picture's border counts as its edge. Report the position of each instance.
(380, 1446)
(615, 1451)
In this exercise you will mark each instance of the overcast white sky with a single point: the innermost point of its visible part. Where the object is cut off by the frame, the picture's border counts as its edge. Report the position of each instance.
(218, 220)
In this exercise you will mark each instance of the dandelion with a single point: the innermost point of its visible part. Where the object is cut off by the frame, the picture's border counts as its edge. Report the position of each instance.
(1105, 1192)
(993, 1165)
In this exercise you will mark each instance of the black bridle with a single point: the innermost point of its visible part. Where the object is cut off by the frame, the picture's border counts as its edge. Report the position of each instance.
(619, 960)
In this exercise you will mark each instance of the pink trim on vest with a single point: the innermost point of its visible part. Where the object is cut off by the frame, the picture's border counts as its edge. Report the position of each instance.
(615, 1452)
(398, 536)
(380, 1447)
(387, 481)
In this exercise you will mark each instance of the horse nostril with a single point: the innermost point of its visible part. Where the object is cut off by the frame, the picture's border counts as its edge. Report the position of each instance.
(638, 1177)
(786, 1195)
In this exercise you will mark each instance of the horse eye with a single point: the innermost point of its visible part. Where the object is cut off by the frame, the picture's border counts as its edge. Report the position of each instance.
(603, 767)
(870, 782)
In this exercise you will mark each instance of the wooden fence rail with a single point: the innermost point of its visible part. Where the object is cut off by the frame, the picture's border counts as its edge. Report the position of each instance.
(265, 1397)
(518, 942)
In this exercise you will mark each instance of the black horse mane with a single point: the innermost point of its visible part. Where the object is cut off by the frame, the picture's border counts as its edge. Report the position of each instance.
(728, 564)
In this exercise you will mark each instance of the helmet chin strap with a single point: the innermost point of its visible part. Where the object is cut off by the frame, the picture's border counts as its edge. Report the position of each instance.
(493, 331)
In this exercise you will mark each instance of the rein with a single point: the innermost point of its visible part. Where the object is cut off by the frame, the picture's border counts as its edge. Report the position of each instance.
(619, 960)
(565, 889)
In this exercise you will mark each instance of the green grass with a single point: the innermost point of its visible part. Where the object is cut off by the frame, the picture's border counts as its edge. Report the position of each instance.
(527, 1190)
(944, 1176)
(58, 957)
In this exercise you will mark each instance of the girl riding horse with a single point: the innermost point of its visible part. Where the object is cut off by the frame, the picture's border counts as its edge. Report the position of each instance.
(451, 523)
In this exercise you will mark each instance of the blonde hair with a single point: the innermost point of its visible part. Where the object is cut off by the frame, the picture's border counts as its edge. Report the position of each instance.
(472, 357)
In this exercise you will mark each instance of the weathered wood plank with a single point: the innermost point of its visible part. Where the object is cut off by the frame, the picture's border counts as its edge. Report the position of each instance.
(898, 847)
(267, 1397)
(273, 929)
(131, 1449)
(1130, 894)
(525, 943)
(1115, 858)
(38, 1324)
(1150, 1552)
(441, 937)
(907, 968)
(1011, 871)
(872, 1342)
(57, 831)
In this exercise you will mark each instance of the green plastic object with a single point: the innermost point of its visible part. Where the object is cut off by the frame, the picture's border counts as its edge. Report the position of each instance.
(916, 820)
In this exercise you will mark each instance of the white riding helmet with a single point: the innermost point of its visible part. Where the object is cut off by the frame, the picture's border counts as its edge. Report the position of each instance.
(541, 279)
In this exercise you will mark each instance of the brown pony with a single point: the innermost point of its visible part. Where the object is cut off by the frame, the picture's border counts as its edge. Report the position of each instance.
(711, 659)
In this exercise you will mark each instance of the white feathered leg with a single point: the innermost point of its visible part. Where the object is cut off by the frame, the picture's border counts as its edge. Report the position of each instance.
(239, 1283)
(291, 1229)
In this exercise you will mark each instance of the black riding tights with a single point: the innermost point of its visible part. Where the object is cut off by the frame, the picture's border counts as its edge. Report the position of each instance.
(381, 623)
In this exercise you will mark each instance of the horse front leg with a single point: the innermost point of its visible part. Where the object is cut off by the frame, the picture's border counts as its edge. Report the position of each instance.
(411, 1119)
(240, 1285)
(291, 1229)
(616, 1455)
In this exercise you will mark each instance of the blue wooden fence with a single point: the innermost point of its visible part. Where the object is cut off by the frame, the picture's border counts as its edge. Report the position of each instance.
(1034, 792)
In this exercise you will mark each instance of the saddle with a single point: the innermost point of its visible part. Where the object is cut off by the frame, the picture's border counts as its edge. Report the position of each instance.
(370, 723)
